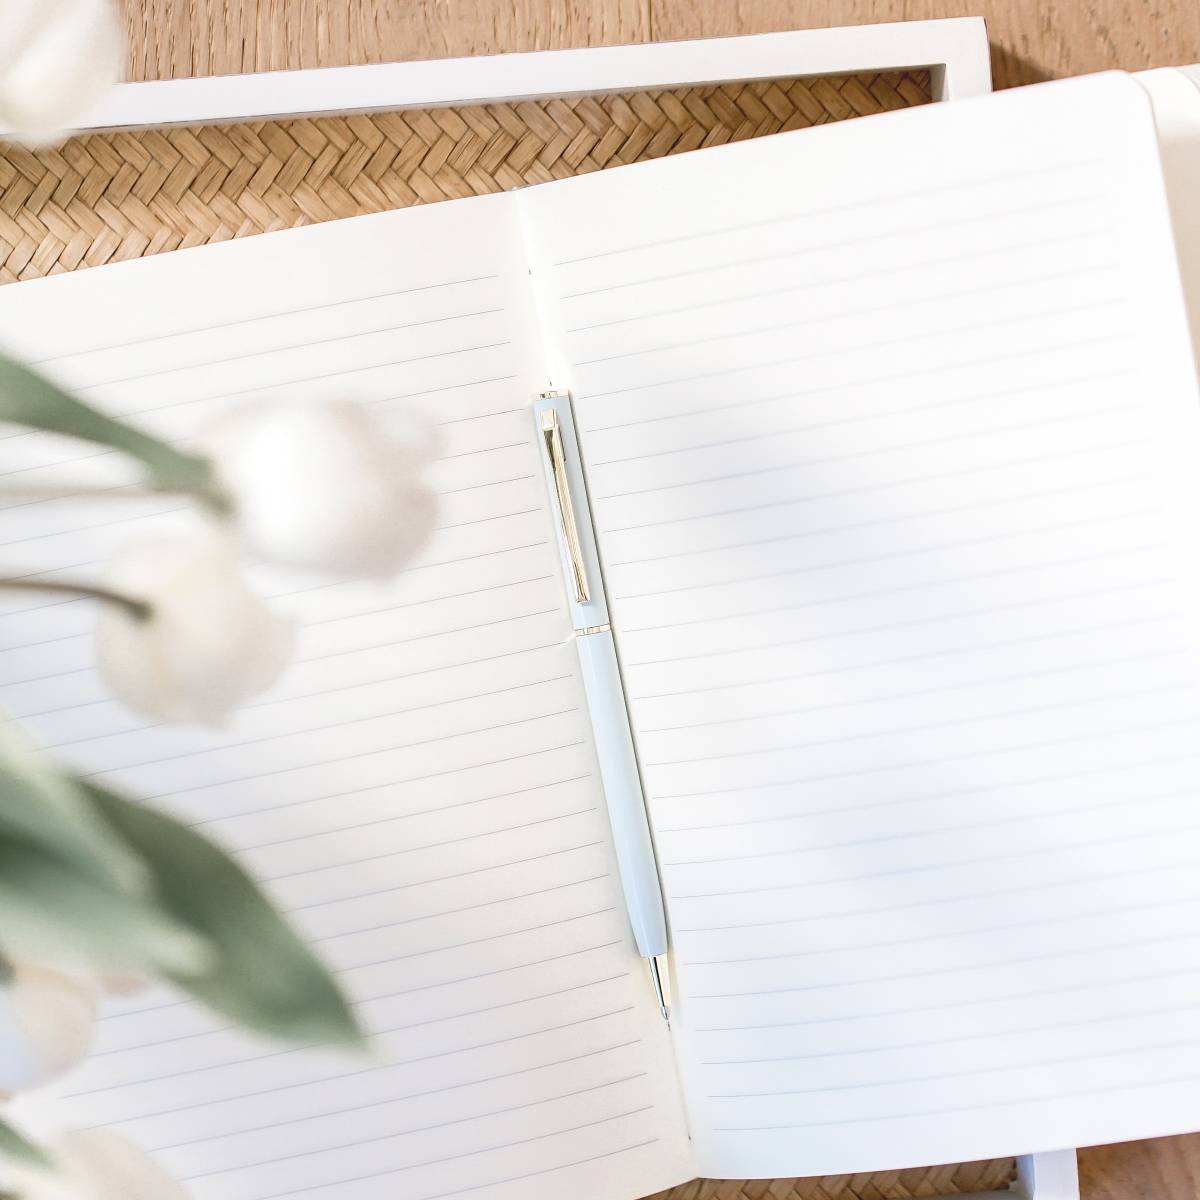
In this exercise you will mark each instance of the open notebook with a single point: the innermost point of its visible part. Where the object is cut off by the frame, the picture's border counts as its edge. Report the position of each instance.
(890, 432)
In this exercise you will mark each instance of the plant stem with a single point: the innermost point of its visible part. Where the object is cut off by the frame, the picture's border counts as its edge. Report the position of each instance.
(140, 609)
(31, 399)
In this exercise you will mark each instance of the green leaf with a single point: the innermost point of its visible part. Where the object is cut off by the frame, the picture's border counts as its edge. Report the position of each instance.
(263, 976)
(29, 398)
(39, 802)
(19, 1148)
(47, 903)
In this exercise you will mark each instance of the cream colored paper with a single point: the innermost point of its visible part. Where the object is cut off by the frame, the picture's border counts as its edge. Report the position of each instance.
(419, 792)
(891, 433)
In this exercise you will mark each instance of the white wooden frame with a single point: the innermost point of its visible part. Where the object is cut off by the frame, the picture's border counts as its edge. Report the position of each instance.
(956, 51)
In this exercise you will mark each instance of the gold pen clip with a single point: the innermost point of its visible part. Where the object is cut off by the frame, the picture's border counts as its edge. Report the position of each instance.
(552, 438)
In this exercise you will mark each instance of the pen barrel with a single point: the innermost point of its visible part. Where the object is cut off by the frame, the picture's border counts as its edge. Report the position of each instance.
(623, 792)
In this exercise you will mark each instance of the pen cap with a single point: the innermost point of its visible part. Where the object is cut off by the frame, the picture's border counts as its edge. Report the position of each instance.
(574, 534)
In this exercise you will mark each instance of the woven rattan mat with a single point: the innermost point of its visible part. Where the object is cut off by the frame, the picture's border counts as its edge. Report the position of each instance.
(115, 196)
(109, 197)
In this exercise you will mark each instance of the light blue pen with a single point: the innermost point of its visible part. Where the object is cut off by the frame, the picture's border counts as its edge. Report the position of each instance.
(605, 693)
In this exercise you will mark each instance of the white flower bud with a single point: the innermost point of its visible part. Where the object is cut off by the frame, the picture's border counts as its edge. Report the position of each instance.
(209, 643)
(322, 485)
(47, 1019)
(95, 1164)
(57, 58)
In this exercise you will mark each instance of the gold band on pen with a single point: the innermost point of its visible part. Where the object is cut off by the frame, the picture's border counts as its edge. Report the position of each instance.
(552, 437)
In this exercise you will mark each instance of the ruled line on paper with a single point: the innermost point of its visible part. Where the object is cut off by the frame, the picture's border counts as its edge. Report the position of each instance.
(476, 1187)
(371, 612)
(1024, 568)
(17, 612)
(1109, 769)
(1175, 972)
(48, 495)
(908, 269)
(948, 652)
(406, 816)
(1095, 1089)
(389, 1065)
(520, 512)
(374, 1070)
(826, 245)
(483, 450)
(503, 412)
(502, 866)
(433, 1162)
(1000, 997)
(288, 1050)
(78, 458)
(945, 935)
(1041, 1061)
(346, 723)
(451, 562)
(876, 343)
(110, 523)
(537, 962)
(1008, 535)
(1023, 889)
(911, 623)
(271, 316)
(294, 697)
(133, 487)
(309, 695)
(375, 1104)
(374, 1033)
(956, 722)
(173, 1039)
(808, 320)
(441, 983)
(870, 488)
(263, 387)
(374, 787)
(448, 387)
(358, 755)
(884, 414)
(604, 1016)
(475, 487)
(1072, 168)
(844, 385)
(397, 327)
(466, 837)
(403, 604)
(389, 889)
(491, 1008)
(923, 834)
(471, 1083)
(1046, 743)
(878, 452)
(939, 689)
(1039, 922)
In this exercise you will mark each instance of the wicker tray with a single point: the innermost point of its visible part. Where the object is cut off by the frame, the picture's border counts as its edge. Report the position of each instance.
(108, 197)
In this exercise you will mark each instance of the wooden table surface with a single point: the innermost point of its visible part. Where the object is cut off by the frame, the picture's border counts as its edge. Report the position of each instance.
(1031, 40)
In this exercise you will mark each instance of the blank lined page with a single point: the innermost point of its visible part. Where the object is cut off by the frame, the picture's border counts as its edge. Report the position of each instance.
(891, 434)
(419, 792)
